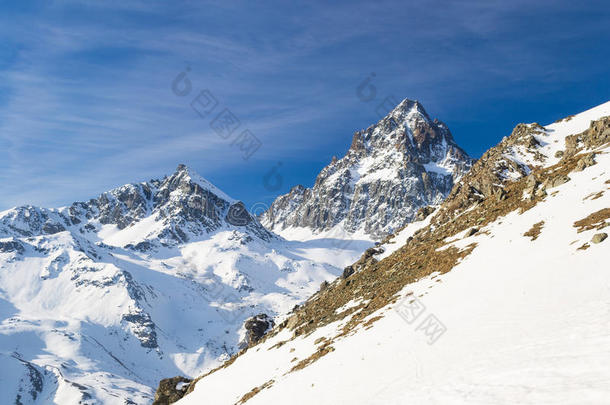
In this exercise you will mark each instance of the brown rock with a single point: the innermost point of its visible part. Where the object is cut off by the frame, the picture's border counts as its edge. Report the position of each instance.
(348, 271)
(168, 393)
(471, 232)
(585, 161)
(423, 213)
(555, 181)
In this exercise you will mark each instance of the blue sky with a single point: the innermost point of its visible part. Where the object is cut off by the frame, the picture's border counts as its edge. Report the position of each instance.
(86, 99)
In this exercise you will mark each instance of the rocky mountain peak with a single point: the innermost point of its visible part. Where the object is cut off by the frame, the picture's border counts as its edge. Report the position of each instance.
(408, 126)
(299, 188)
(187, 181)
(392, 168)
(140, 275)
(408, 108)
(512, 224)
(177, 208)
(187, 203)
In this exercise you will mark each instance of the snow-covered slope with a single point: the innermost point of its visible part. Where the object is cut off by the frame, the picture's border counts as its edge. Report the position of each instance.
(404, 162)
(502, 296)
(102, 299)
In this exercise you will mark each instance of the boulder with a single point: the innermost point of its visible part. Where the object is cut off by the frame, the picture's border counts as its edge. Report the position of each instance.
(370, 252)
(171, 390)
(599, 237)
(559, 180)
(348, 271)
(293, 322)
(585, 161)
(257, 327)
(423, 213)
(555, 181)
(531, 183)
(540, 192)
(471, 232)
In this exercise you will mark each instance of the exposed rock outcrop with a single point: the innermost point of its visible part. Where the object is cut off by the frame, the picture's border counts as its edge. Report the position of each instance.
(171, 390)
(256, 327)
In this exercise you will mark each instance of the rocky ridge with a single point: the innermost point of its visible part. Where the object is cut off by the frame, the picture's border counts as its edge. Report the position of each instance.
(185, 204)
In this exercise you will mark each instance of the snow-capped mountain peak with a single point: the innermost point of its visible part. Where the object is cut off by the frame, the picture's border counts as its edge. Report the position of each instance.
(185, 176)
(393, 168)
(176, 209)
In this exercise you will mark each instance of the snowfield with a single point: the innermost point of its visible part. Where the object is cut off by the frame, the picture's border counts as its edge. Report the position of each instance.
(517, 321)
(96, 312)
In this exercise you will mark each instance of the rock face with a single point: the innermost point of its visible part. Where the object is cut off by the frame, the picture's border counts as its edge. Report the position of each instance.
(599, 237)
(404, 162)
(598, 134)
(498, 165)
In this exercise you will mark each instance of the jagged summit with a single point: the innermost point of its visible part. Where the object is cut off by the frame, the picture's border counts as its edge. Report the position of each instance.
(403, 162)
(176, 209)
(185, 174)
(408, 107)
(408, 125)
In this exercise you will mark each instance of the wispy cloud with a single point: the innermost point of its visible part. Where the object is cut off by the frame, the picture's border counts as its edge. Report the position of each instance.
(85, 99)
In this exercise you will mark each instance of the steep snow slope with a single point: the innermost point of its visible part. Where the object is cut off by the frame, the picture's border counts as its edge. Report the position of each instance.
(102, 299)
(404, 162)
(513, 310)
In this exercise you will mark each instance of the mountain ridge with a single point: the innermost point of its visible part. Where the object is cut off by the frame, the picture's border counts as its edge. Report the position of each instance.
(184, 194)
